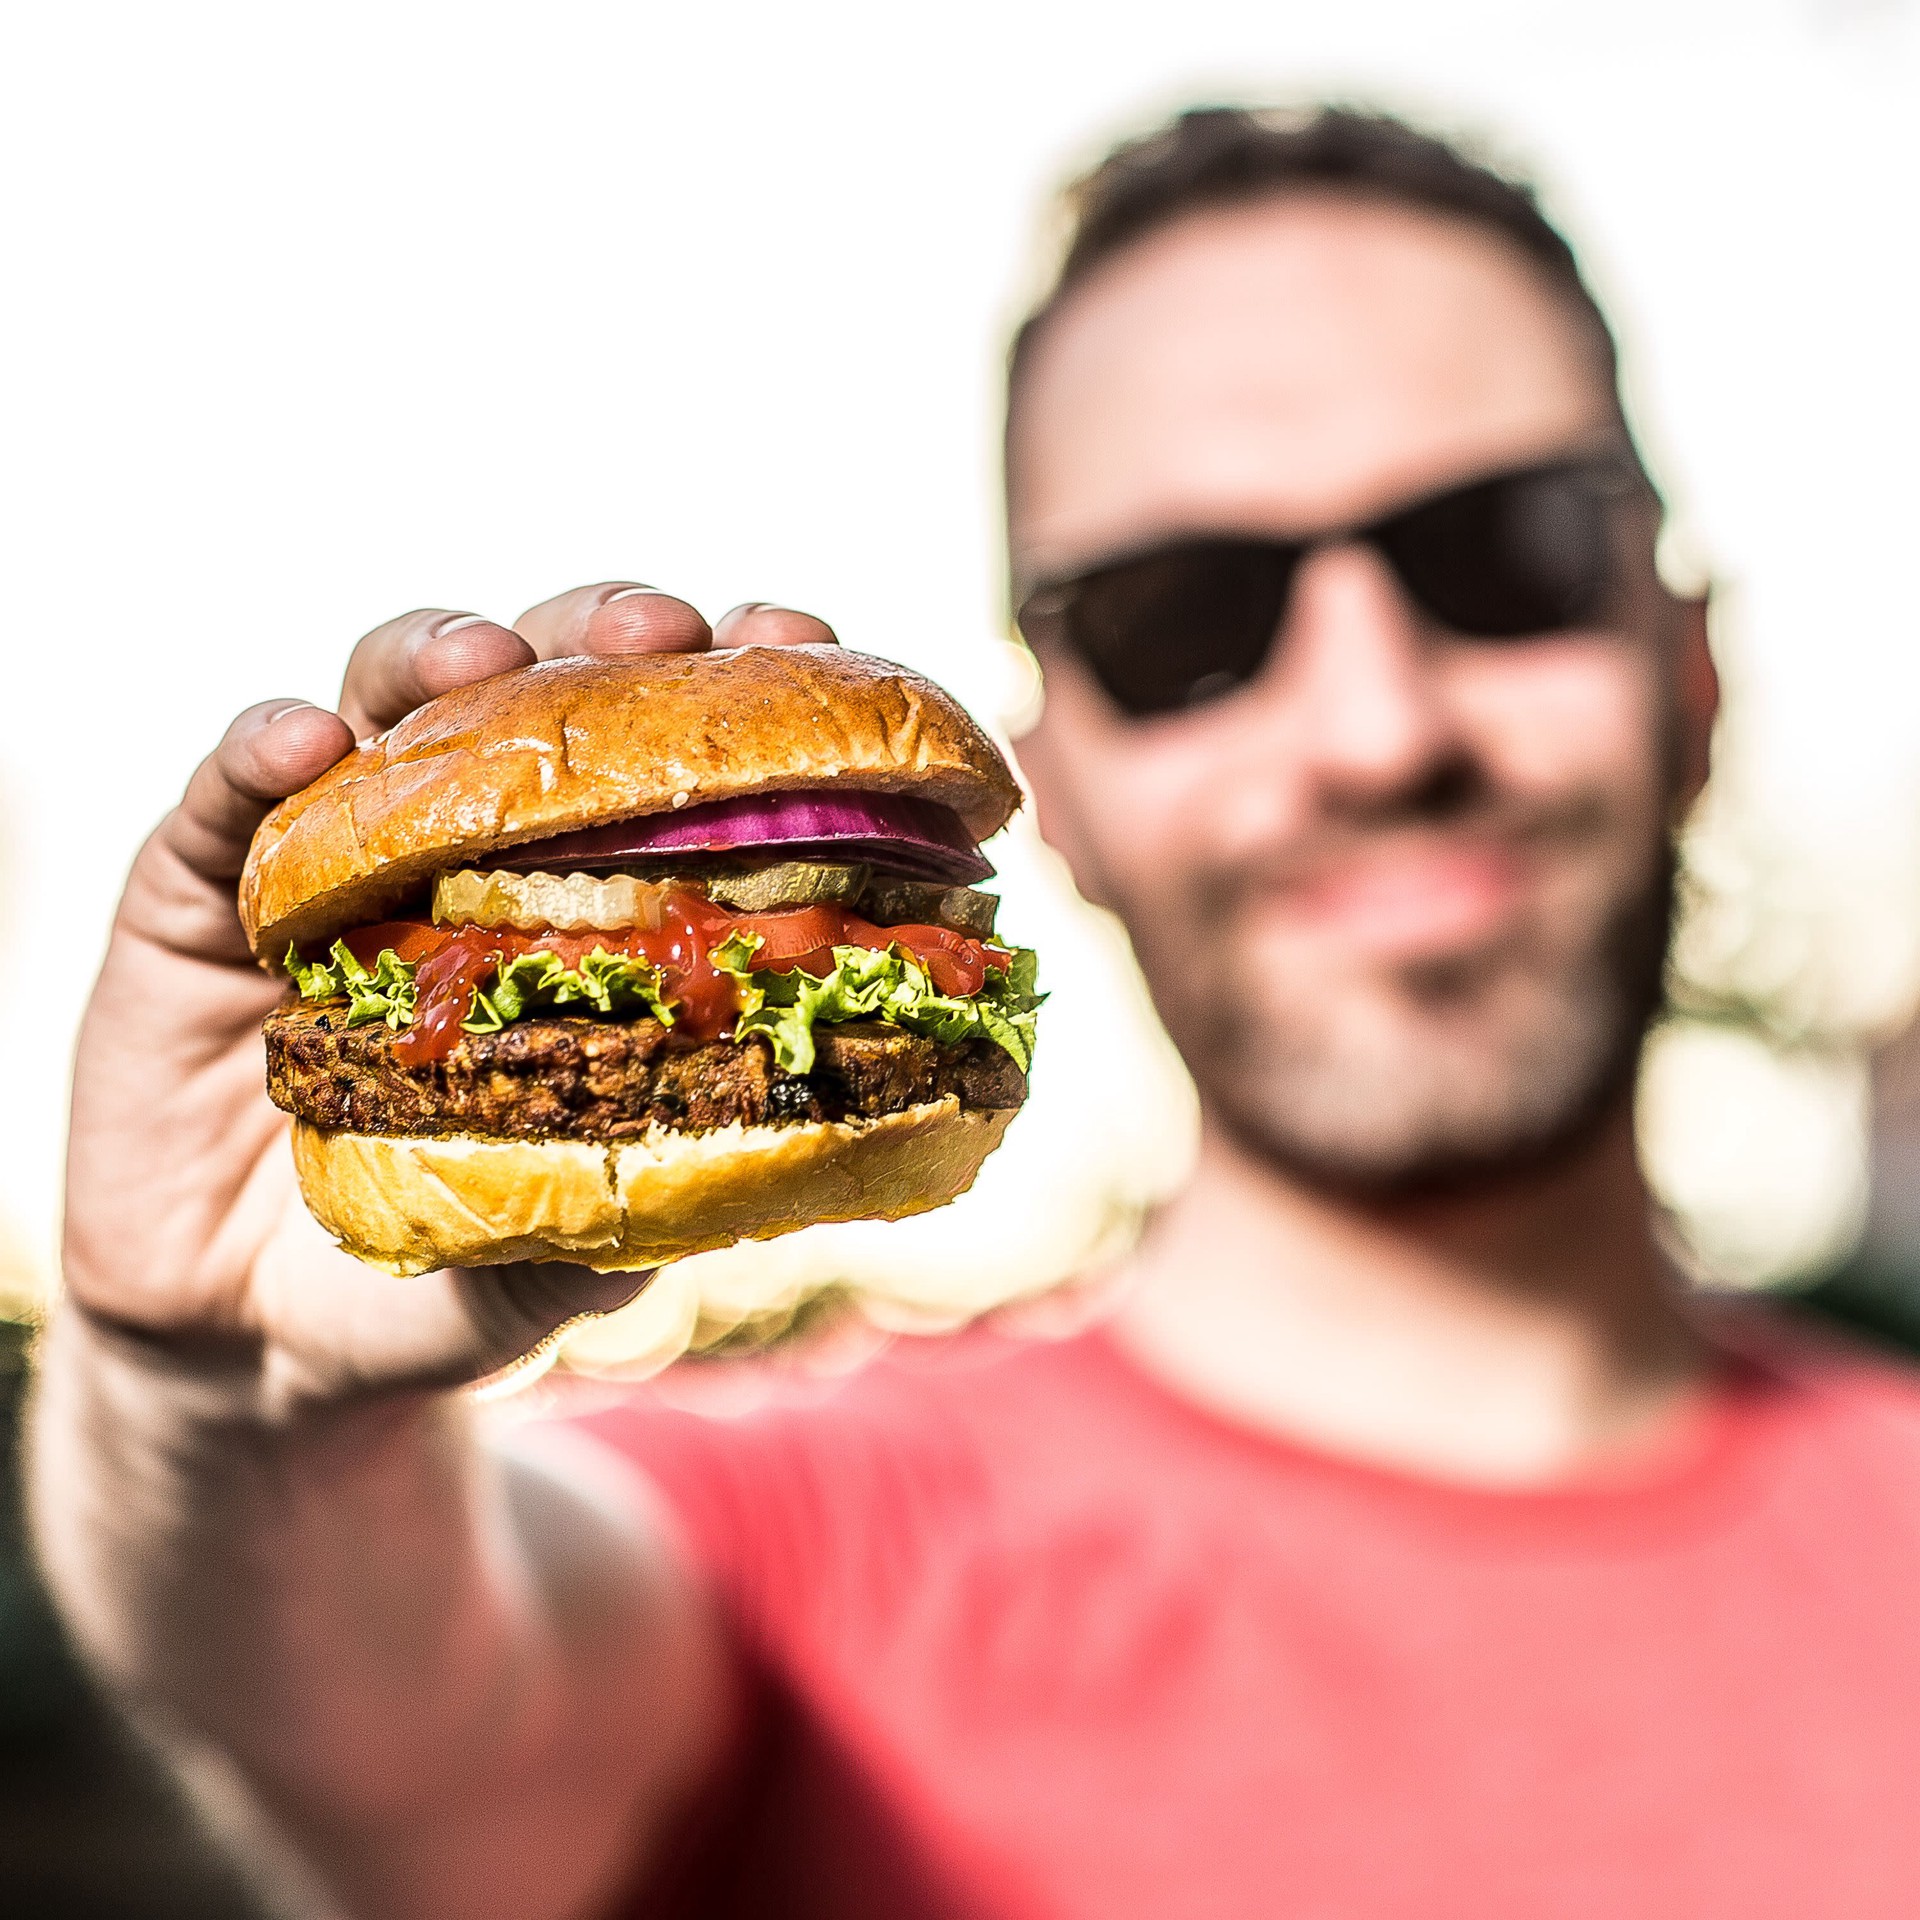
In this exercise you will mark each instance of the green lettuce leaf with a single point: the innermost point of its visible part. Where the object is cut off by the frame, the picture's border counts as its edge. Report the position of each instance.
(384, 992)
(609, 983)
(869, 985)
(865, 984)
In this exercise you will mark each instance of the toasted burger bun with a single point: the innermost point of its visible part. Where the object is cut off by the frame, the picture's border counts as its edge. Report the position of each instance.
(411, 1204)
(577, 743)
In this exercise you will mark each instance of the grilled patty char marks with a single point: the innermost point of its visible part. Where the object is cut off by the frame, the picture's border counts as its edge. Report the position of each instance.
(611, 1079)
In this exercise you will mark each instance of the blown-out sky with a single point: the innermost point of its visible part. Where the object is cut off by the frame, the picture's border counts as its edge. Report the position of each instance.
(321, 314)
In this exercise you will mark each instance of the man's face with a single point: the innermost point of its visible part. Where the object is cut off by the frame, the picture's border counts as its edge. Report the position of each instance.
(1402, 900)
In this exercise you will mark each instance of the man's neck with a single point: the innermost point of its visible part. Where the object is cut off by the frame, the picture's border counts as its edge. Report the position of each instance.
(1507, 1337)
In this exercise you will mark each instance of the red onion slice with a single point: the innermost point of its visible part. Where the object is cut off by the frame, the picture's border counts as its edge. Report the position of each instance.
(913, 838)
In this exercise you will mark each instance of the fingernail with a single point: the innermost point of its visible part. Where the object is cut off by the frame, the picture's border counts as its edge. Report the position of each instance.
(293, 707)
(628, 593)
(734, 615)
(458, 621)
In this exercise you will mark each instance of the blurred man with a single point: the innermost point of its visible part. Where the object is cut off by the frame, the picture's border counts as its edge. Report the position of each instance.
(1404, 1546)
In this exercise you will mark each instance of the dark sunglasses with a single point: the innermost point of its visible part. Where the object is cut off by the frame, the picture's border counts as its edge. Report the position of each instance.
(1507, 557)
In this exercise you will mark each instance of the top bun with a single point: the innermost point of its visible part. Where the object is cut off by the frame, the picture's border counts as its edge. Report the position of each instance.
(575, 743)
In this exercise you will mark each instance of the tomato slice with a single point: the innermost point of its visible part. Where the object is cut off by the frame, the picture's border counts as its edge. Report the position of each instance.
(805, 937)
(411, 941)
(955, 962)
(788, 936)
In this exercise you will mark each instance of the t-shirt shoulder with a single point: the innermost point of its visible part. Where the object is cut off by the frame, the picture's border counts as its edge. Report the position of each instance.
(818, 1496)
(1838, 1385)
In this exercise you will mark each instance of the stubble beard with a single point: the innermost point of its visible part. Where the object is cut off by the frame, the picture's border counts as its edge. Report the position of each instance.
(1450, 1092)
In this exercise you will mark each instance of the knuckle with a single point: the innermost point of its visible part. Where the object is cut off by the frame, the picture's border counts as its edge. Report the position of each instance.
(516, 1309)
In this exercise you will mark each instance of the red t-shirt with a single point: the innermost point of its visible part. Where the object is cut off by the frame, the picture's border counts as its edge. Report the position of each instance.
(1038, 1639)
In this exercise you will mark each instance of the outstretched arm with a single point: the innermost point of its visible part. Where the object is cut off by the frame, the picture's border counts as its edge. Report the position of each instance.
(453, 1682)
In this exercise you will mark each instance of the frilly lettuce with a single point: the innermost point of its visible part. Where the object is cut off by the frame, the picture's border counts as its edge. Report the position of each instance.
(610, 983)
(866, 984)
(384, 992)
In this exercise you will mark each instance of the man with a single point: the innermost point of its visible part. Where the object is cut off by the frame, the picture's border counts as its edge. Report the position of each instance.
(1405, 1545)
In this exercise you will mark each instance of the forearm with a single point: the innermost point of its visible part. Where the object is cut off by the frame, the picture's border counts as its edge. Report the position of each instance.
(338, 1600)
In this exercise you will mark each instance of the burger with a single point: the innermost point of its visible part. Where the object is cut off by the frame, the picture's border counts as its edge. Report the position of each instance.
(613, 961)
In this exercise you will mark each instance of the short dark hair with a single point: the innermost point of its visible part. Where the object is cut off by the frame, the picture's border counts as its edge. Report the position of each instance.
(1210, 157)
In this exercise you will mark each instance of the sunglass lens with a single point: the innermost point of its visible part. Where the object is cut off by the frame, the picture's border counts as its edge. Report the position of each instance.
(1521, 554)
(1180, 627)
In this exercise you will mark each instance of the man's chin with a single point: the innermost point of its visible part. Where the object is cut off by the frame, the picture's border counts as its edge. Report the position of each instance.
(1415, 1122)
(1377, 1174)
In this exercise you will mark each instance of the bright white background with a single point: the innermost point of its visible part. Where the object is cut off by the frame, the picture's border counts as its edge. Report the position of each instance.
(318, 314)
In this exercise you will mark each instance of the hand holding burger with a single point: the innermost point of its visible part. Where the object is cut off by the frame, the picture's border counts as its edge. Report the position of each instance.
(185, 1225)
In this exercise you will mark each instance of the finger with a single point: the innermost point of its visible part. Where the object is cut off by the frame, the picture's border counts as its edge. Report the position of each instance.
(270, 751)
(339, 1327)
(758, 623)
(617, 616)
(410, 660)
(515, 1310)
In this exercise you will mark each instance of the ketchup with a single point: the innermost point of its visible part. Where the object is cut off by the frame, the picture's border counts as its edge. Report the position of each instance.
(451, 962)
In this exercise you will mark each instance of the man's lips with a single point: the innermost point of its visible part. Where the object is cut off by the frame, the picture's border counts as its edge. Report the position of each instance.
(1403, 901)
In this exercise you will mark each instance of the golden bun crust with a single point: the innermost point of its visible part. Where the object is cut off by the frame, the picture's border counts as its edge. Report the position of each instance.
(575, 743)
(412, 1204)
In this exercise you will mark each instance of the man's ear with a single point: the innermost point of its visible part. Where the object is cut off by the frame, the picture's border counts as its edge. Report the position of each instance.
(1696, 690)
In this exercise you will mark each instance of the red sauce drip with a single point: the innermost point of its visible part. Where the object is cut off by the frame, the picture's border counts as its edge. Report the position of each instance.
(446, 981)
(450, 962)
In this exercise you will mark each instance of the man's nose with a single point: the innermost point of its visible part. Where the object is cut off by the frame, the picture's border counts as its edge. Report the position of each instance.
(1360, 680)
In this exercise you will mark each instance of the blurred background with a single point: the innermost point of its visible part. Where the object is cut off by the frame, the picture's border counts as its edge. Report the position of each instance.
(319, 315)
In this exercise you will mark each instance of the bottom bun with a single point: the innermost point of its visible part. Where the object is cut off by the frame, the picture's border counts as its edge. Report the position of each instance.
(413, 1203)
